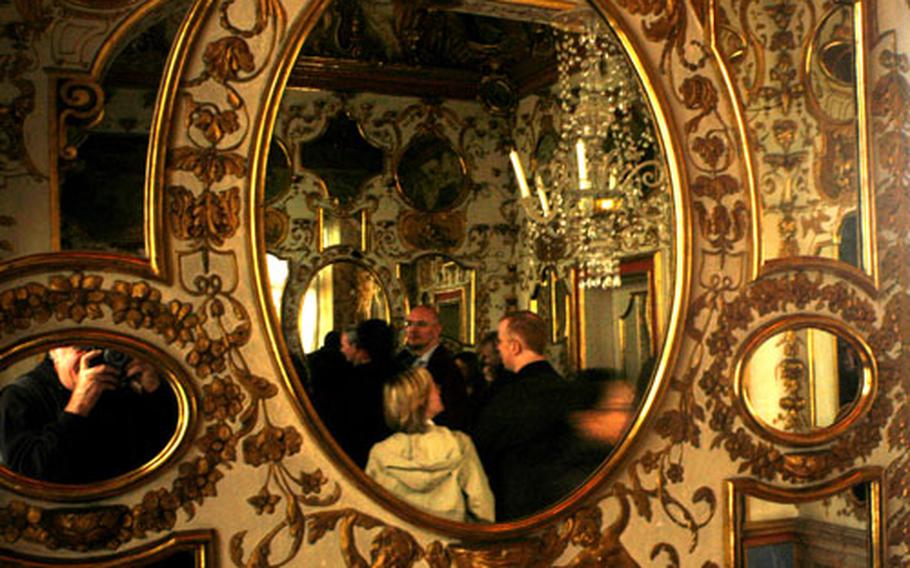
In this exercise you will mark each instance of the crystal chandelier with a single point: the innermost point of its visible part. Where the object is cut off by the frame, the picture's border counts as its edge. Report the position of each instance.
(602, 195)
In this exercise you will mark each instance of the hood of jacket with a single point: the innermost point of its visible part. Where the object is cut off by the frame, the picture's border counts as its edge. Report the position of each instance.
(420, 461)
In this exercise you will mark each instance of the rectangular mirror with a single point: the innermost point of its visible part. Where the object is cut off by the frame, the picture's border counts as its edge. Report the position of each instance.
(800, 74)
(838, 523)
(342, 230)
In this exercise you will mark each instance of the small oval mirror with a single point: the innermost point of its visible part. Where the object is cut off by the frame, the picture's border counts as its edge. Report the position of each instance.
(86, 418)
(339, 295)
(804, 384)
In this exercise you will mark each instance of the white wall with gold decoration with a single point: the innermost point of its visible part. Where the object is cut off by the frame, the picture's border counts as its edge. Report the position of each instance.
(178, 178)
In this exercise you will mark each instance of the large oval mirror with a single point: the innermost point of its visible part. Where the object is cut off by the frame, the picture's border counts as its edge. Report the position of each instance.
(85, 418)
(582, 252)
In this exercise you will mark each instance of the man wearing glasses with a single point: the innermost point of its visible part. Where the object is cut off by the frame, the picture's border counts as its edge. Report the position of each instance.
(423, 349)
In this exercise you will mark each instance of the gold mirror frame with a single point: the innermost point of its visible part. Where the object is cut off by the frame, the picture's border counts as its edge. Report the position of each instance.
(669, 140)
(737, 490)
(155, 265)
(201, 543)
(297, 296)
(177, 445)
(818, 436)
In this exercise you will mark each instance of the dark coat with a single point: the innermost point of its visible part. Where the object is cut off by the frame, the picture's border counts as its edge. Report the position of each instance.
(362, 423)
(40, 440)
(452, 390)
(526, 442)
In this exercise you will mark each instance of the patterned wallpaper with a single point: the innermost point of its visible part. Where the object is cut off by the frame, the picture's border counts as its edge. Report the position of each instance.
(260, 473)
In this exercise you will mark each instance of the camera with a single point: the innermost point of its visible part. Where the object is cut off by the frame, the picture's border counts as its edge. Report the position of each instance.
(118, 360)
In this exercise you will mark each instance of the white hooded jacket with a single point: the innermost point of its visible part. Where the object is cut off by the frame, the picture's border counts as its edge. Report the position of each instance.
(437, 471)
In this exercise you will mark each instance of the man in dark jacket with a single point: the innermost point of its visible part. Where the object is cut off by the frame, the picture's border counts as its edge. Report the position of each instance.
(72, 420)
(524, 433)
(424, 350)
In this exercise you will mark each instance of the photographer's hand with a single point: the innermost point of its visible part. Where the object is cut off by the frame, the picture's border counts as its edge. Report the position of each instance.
(143, 377)
(88, 383)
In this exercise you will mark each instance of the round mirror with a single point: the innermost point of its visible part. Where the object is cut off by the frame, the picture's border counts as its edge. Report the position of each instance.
(85, 418)
(443, 242)
(803, 385)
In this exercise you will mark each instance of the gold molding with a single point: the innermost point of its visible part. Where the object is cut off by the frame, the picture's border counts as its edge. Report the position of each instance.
(864, 26)
(201, 543)
(736, 491)
(795, 322)
(177, 446)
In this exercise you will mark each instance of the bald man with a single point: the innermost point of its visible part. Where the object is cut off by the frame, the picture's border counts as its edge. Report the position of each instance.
(423, 349)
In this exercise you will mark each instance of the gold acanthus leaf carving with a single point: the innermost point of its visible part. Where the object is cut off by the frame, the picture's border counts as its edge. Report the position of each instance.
(209, 165)
(225, 59)
(211, 217)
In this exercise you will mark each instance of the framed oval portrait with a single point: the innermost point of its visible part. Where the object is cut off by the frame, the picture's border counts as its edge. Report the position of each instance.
(431, 176)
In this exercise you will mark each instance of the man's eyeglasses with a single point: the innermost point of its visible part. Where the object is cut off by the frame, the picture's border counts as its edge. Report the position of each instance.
(416, 323)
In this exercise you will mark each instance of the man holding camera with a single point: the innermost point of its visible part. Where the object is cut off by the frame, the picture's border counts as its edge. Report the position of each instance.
(84, 414)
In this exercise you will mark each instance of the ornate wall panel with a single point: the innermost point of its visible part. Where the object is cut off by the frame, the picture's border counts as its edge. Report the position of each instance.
(258, 471)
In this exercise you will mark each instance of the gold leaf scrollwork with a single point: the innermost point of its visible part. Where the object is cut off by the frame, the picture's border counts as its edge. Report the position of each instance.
(212, 217)
(228, 57)
(82, 101)
(208, 164)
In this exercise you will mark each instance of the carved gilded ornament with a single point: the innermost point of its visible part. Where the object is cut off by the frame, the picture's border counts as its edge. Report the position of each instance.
(780, 296)
(234, 402)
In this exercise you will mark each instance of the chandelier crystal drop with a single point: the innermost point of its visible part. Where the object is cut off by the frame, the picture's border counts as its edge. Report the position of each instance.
(602, 196)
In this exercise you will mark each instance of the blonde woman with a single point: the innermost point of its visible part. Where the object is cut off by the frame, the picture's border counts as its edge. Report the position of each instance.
(433, 468)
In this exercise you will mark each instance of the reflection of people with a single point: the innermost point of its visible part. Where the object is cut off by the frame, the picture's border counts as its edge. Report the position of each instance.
(601, 427)
(431, 467)
(424, 350)
(326, 367)
(524, 433)
(491, 362)
(72, 420)
(469, 364)
(358, 420)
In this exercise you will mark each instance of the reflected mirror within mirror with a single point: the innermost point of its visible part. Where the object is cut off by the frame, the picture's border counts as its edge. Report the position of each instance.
(81, 414)
(339, 296)
(803, 380)
(444, 225)
(837, 524)
(102, 175)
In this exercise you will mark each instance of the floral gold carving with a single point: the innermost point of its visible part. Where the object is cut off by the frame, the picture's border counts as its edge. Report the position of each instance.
(212, 216)
(780, 295)
(444, 230)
